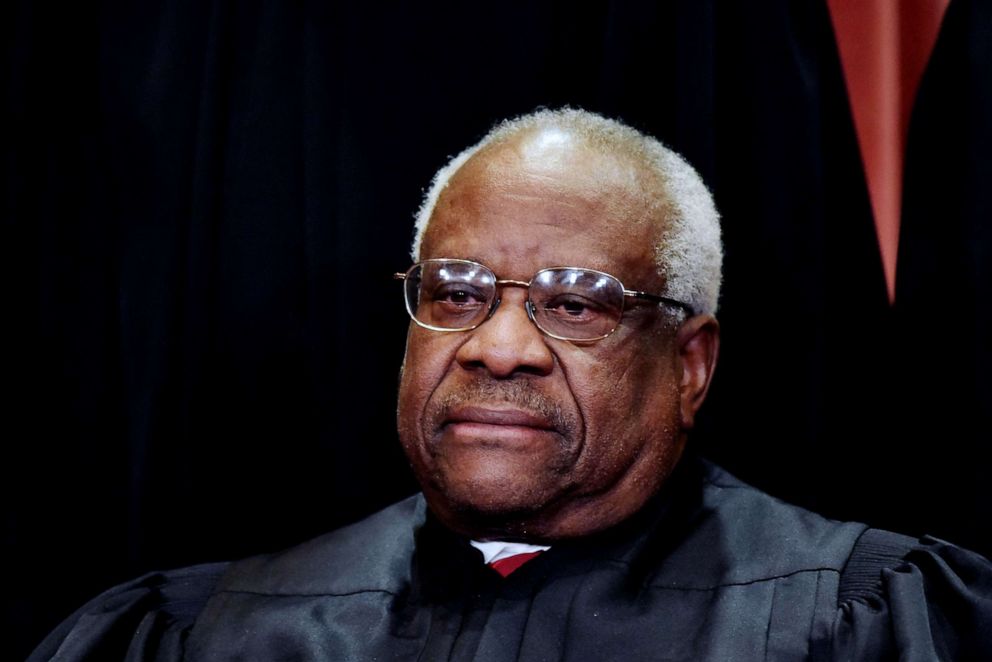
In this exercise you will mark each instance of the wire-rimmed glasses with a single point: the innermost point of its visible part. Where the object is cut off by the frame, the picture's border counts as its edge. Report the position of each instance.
(567, 303)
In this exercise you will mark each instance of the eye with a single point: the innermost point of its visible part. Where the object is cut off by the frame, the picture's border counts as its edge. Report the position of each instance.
(456, 304)
(458, 295)
(571, 308)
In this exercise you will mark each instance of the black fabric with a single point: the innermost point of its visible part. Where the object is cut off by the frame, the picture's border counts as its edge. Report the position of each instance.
(197, 196)
(147, 618)
(944, 287)
(711, 569)
(876, 550)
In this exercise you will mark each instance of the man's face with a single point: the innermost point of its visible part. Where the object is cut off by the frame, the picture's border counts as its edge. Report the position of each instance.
(513, 434)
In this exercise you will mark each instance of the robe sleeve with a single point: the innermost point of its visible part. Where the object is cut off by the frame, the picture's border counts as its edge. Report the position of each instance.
(913, 600)
(144, 619)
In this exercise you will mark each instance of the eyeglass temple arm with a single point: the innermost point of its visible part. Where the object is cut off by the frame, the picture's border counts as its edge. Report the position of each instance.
(659, 299)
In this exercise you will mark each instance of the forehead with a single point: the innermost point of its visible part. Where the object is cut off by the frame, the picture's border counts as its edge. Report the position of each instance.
(548, 200)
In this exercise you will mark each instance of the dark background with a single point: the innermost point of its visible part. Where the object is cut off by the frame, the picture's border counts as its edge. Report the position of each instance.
(203, 202)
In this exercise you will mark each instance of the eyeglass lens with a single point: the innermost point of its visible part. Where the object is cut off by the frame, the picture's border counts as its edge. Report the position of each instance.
(568, 303)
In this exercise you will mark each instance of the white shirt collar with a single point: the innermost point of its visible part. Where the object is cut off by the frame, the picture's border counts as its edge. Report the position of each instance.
(494, 550)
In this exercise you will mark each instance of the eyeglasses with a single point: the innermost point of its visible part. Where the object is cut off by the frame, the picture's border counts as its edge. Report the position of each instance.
(567, 303)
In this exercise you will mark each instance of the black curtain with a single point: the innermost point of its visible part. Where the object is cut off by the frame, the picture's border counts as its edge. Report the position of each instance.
(943, 307)
(203, 203)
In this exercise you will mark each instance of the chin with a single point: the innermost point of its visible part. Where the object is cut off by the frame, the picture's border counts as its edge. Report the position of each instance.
(488, 505)
(496, 477)
(492, 502)
(494, 493)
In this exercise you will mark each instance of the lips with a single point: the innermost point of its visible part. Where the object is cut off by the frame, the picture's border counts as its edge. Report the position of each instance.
(473, 429)
(498, 417)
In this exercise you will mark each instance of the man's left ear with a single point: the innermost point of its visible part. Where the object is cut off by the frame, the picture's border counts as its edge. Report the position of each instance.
(698, 342)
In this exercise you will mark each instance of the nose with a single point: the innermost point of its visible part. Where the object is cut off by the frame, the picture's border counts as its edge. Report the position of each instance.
(508, 343)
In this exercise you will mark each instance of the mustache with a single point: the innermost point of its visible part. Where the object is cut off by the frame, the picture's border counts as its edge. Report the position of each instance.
(519, 394)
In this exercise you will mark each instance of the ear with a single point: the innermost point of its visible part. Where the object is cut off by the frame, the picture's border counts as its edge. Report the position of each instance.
(698, 342)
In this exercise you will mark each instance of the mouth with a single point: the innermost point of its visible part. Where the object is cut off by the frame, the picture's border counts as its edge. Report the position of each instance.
(496, 426)
(499, 417)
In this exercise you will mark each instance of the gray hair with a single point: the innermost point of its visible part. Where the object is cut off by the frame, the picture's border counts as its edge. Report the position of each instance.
(689, 252)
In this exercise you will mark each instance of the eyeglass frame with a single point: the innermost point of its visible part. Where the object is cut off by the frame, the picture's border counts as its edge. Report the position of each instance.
(528, 304)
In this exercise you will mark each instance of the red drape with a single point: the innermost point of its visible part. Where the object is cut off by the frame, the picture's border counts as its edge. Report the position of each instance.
(884, 47)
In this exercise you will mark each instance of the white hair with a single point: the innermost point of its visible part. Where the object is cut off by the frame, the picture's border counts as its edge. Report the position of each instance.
(688, 252)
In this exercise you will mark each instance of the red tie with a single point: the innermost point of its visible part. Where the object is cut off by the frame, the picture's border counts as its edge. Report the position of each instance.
(507, 565)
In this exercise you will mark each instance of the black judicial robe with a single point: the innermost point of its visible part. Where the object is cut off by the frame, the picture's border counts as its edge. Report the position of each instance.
(711, 569)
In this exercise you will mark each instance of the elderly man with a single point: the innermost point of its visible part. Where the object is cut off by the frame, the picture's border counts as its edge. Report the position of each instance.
(562, 341)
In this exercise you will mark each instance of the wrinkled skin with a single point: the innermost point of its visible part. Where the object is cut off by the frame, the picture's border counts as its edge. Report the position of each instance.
(515, 435)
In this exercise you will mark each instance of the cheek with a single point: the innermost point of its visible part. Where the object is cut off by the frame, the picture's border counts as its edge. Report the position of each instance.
(624, 384)
(427, 360)
(630, 406)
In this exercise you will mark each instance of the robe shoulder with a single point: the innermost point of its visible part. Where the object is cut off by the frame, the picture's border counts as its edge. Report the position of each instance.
(736, 534)
(151, 617)
(894, 596)
(147, 618)
(371, 555)
(915, 599)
